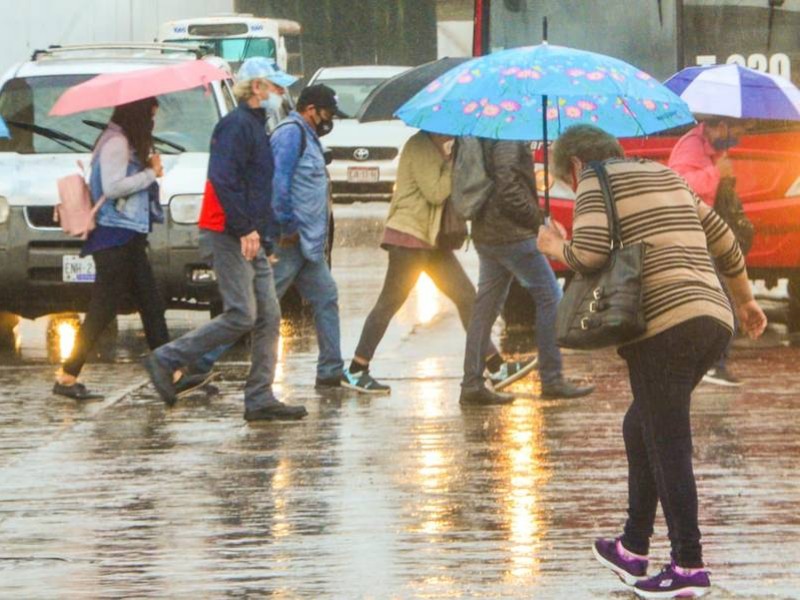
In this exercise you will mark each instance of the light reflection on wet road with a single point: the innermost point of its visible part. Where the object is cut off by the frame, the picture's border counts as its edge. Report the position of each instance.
(374, 497)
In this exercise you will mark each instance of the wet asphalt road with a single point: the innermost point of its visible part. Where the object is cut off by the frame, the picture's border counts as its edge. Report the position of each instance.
(403, 496)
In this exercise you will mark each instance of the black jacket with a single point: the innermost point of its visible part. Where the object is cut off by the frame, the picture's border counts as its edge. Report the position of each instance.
(512, 212)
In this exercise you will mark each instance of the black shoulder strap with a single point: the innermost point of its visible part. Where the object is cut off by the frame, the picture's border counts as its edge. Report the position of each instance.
(302, 134)
(611, 206)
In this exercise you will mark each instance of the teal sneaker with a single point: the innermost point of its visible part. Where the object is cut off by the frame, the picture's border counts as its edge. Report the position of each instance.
(511, 371)
(363, 382)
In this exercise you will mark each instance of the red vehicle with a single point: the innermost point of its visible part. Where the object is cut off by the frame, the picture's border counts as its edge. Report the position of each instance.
(661, 37)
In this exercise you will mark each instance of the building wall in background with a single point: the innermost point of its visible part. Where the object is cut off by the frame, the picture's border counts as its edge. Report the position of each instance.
(355, 32)
(28, 25)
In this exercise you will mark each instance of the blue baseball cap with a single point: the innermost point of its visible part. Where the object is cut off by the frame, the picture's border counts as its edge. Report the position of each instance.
(259, 67)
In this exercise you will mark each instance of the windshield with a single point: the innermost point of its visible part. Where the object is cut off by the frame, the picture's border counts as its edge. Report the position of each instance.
(660, 36)
(235, 50)
(351, 93)
(184, 118)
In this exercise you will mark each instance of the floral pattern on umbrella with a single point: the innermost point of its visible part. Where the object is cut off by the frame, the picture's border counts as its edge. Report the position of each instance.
(502, 96)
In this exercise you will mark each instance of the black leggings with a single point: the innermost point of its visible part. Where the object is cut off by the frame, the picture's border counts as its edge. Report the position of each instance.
(121, 272)
(405, 267)
(664, 369)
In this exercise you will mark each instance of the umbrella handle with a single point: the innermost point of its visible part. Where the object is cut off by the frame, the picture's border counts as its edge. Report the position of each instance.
(546, 161)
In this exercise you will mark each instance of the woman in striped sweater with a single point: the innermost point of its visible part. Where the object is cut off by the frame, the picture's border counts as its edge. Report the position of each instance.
(689, 322)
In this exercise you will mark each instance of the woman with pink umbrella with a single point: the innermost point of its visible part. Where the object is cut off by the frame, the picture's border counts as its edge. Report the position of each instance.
(123, 178)
(124, 173)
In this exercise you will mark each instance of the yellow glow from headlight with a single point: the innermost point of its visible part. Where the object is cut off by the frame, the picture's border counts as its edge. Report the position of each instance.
(67, 332)
(428, 300)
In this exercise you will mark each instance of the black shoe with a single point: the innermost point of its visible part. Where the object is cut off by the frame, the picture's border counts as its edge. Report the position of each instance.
(161, 377)
(76, 391)
(275, 411)
(189, 383)
(484, 397)
(328, 383)
(564, 388)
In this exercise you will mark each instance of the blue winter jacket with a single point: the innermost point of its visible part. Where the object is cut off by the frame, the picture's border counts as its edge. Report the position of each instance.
(300, 185)
(240, 168)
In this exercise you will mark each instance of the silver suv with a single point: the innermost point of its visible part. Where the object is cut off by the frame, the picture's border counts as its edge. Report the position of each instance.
(40, 272)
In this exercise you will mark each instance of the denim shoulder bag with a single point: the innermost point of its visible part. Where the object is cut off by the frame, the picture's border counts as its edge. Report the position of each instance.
(604, 308)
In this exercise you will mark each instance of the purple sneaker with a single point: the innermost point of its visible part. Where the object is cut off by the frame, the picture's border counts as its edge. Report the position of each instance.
(629, 570)
(671, 584)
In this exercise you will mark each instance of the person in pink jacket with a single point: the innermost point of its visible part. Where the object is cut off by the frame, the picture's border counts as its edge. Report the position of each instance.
(701, 158)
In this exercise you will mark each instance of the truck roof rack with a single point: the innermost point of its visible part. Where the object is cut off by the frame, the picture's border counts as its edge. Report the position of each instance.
(199, 49)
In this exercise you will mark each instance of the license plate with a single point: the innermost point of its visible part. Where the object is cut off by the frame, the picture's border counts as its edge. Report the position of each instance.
(363, 174)
(75, 269)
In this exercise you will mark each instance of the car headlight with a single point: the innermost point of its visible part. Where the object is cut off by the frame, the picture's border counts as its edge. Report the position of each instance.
(185, 209)
(4, 210)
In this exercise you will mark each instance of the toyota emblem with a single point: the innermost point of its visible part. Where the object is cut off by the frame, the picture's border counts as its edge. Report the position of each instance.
(361, 153)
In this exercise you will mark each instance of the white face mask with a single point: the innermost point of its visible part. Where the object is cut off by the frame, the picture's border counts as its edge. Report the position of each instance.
(273, 104)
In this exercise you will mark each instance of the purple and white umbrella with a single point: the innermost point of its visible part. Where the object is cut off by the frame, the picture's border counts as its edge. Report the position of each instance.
(736, 91)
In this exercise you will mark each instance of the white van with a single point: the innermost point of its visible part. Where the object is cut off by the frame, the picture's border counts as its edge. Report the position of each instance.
(40, 272)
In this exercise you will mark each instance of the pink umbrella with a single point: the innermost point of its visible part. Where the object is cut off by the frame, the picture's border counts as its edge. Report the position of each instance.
(113, 89)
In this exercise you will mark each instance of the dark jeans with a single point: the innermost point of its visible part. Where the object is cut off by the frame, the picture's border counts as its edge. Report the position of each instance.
(499, 264)
(664, 369)
(405, 267)
(121, 271)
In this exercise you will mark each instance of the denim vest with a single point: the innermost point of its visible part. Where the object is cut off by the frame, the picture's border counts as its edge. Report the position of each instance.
(132, 212)
(309, 195)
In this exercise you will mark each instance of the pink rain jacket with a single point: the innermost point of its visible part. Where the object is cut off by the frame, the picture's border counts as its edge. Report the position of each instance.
(694, 158)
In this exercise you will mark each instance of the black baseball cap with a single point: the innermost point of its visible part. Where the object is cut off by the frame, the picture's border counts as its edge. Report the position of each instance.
(321, 96)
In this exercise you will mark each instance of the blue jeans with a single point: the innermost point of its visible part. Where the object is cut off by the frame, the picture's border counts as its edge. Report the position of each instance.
(249, 306)
(498, 265)
(316, 285)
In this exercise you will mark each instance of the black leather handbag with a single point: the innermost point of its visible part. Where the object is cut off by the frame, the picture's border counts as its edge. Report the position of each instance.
(728, 205)
(604, 308)
(453, 229)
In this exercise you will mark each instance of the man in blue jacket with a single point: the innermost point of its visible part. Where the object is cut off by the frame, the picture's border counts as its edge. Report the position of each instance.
(300, 203)
(235, 226)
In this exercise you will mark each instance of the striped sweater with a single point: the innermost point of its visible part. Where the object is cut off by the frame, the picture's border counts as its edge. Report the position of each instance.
(682, 233)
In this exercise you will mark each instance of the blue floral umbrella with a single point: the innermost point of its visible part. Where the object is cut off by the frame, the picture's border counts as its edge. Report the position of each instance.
(4, 133)
(535, 92)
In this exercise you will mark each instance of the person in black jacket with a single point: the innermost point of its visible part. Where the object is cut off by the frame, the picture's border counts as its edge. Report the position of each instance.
(236, 224)
(504, 233)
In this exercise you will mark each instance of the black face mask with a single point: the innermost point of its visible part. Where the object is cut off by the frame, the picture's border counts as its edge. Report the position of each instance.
(324, 127)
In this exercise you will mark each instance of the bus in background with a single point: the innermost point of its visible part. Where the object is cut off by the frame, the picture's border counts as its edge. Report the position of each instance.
(291, 32)
(662, 37)
(240, 36)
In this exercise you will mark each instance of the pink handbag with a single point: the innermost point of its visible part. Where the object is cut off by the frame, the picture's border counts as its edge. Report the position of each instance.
(74, 211)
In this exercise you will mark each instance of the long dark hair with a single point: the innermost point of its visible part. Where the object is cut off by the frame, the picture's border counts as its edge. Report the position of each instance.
(136, 121)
